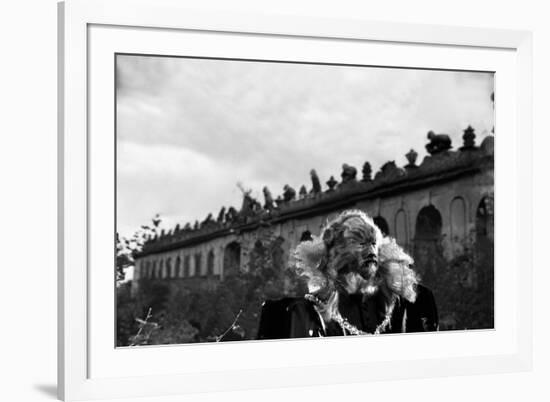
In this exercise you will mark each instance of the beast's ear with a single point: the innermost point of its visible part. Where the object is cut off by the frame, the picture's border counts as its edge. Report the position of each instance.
(330, 233)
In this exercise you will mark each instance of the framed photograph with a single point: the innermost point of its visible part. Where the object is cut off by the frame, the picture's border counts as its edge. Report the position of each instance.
(243, 197)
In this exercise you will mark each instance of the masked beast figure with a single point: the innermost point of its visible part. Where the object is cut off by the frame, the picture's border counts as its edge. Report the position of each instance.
(359, 283)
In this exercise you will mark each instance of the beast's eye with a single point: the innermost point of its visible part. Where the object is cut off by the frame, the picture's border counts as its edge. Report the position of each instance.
(368, 243)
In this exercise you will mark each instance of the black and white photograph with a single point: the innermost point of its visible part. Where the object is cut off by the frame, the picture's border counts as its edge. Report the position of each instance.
(275, 201)
(260, 200)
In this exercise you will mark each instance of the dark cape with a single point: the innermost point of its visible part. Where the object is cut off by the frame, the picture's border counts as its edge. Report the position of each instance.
(293, 317)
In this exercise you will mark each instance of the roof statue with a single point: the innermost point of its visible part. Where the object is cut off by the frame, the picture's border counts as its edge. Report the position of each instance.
(438, 143)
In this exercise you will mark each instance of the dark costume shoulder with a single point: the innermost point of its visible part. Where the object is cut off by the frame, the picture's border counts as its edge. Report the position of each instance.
(422, 314)
(292, 317)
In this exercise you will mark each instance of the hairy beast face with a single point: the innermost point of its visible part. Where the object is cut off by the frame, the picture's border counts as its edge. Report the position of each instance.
(353, 256)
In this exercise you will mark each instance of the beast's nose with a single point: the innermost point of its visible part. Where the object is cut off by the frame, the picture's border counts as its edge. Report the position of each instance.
(371, 259)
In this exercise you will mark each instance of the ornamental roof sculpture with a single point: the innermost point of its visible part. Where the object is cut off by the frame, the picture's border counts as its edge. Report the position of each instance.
(441, 163)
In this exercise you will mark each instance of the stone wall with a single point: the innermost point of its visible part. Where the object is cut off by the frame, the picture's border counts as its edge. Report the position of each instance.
(436, 202)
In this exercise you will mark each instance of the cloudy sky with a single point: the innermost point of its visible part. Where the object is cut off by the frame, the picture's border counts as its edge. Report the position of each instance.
(189, 130)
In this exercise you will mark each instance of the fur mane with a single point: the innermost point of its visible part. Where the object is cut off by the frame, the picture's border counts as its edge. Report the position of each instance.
(395, 268)
(317, 260)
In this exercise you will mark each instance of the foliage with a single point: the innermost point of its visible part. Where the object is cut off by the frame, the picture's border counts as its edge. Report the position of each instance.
(126, 248)
(463, 285)
(127, 311)
(146, 329)
(211, 310)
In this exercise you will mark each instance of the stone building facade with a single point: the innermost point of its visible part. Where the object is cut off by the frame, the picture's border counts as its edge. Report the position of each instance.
(443, 203)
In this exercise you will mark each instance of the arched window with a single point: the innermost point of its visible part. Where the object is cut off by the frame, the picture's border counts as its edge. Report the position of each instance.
(401, 229)
(179, 272)
(484, 245)
(382, 225)
(210, 263)
(138, 265)
(428, 224)
(141, 270)
(142, 264)
(485, 251)
(458, 220)
(306, 236)
(428, 252)
(146, 267)
(169, 272)
(154, 270)
(198, 264)
(232, 259)
(485, 219)
(186, 266)
(162, 271)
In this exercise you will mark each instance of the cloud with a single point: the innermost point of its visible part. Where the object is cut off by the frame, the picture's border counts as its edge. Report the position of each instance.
(189, 129)
(181, 185)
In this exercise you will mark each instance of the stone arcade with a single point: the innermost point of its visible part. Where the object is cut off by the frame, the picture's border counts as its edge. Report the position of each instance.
(446, 201)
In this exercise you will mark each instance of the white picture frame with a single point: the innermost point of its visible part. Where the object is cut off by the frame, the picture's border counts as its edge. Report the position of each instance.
(91, 31)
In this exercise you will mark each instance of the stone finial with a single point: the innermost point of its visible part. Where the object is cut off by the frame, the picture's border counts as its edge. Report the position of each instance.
(303, 192)
(268, 199)
(249, 205)
(367, 172)
(289, 193)
(279, 201)
(469, 138)
(315, 182)
(256, 206)
(348, 173)
(177, 228)
(438, 143)
(221, 215)
(411, 158)
(196, 225)
(389, 171)
(187, 226)
(209, 218)
(231, 214)
(331, 183)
